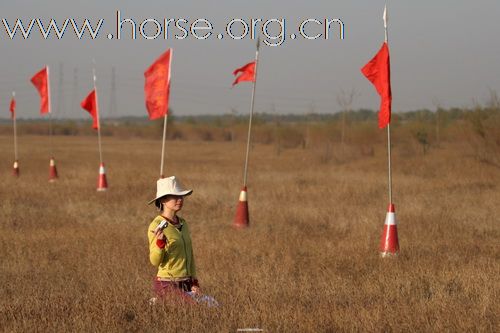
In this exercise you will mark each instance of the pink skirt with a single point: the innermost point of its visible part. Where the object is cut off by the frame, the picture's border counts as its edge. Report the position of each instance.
(172, 290)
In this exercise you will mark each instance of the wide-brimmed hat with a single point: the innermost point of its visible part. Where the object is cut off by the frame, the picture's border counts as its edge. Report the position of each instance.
(169, 186)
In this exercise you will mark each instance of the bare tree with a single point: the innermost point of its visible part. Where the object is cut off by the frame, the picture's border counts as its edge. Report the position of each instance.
(494, 101)
(277, 125)
(311, 111)
(234, 121)
(437, 104)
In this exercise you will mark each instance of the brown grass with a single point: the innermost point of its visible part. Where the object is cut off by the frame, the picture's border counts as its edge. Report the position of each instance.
(76, 260)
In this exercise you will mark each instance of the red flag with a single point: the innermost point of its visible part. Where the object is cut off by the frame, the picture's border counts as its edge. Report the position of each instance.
(157, 86)
(378, 71)
(90, 104)
(247, 73)
(41, 82)
(12, 107)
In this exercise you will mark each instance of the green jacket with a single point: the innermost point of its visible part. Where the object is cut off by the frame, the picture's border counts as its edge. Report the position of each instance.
(176, 260)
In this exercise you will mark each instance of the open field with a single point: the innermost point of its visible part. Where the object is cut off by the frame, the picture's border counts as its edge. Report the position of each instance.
(76, 260)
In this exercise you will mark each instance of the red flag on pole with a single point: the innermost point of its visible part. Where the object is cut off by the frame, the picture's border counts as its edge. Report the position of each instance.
(41, 82)
(157, 86)
(12, 107)
(247, 73)
(90, 104)
(378, 72)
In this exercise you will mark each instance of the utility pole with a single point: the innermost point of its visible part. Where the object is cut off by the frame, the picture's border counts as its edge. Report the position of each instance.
(112, 99)
(74, 94)
(60, 96)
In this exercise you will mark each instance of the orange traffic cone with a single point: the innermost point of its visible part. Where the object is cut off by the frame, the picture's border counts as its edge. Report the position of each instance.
(102, 183)
(389, 245)
(241, 219)
(52, 170)
(15, 171)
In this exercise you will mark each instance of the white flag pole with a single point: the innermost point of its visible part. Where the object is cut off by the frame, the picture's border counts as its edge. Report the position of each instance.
(389, 124)
(245, 173)
(165, 118)
(50, 113)
(14, 116)
(385, 23)
(163, 145)
(97, 112)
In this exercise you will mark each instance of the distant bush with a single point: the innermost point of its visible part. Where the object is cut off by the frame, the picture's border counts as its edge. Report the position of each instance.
(411, 131)
(483, 134)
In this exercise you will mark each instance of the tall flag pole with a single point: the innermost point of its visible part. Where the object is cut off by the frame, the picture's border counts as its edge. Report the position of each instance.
(246, 73)
(12, 109)
(384, 17)
(97, 115)
(53, 175)
(377, 71)
(162, 161)
(41, 81)
(389, 123)
(91, 104)
(157, 93)
(50, 111)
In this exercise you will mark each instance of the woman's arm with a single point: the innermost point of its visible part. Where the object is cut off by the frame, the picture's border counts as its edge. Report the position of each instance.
(196, 286)
(157, 246)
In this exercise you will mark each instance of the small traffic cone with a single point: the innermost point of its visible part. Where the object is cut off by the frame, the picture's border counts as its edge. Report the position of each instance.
(389, 244)
(15, 171)
(52, 170)
(241, 219)
(102, 183)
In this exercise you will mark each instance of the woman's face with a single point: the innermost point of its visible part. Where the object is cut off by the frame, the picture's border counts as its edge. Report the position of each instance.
(173, 202)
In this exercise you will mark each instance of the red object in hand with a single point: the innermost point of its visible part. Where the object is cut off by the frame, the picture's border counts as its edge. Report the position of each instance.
(161, 243)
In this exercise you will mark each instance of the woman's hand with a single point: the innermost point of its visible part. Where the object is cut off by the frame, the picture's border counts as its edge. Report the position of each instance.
(161, 239)
(196, 290)
(159, 234)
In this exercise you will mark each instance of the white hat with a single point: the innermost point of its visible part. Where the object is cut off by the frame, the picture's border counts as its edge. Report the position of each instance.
(169, 186)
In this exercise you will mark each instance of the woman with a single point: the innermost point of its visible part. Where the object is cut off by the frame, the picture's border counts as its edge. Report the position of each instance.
(170, 248)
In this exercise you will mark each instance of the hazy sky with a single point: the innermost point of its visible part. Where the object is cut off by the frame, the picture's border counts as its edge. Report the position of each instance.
(445, 52)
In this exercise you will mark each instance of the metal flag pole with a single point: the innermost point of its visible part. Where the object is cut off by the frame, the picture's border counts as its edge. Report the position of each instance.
(389, 124)
(50, 114)
(97, 114)
(14, 116)
(165, 118)
(245, 173)
(163, 145)
(389, 244)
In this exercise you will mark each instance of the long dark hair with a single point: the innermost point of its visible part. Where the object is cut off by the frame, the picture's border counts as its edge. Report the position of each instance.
(158, 204)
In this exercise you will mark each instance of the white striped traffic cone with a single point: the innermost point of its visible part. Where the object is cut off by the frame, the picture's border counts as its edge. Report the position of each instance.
(15, 170)
(52, 170)
(389, 244)
(102, 182)
(241, 220)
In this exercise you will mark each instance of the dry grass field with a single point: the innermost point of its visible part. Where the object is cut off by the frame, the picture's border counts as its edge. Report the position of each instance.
(73, 259)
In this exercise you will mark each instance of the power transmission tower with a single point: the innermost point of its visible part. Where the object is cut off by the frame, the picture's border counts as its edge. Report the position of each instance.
(74, 95)
(345, 100)
(112, 99)
(60, 95)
